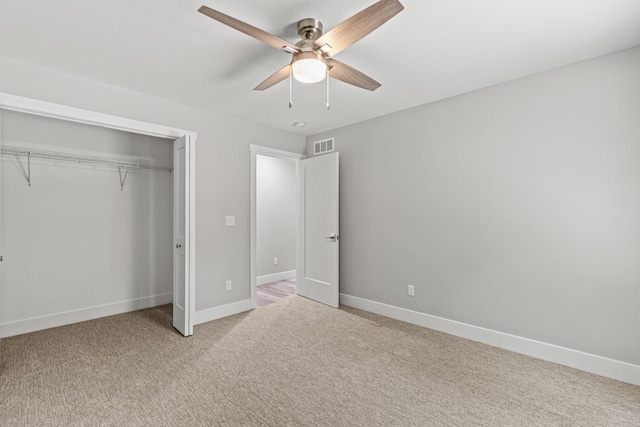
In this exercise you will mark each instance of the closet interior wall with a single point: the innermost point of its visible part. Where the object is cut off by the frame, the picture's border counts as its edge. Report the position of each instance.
(75, 241)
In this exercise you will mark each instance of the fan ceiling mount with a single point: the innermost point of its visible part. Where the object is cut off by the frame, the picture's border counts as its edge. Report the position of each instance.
(312, 57)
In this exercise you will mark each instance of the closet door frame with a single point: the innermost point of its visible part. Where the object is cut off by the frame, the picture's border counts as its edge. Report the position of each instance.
(78, 115)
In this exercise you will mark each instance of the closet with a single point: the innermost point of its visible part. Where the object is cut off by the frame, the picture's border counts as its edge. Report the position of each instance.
(86, 221)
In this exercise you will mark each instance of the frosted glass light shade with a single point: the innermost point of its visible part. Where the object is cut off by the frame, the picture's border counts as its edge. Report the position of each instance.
(309, 67)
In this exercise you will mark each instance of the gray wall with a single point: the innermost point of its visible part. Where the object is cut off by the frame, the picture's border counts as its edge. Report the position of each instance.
(515, 207)
(74, 240)
(223, 166)
(276, 214)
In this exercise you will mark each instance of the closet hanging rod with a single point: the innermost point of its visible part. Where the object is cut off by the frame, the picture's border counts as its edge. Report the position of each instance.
(16, 151)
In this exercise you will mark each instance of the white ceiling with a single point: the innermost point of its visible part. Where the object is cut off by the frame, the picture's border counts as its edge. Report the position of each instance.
(431, 50)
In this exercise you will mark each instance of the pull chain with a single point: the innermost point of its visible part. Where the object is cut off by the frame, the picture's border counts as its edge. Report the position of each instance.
(328, 105)
(290, 87)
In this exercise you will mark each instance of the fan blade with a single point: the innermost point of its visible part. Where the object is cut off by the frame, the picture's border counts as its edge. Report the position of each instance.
(358, 26)
(249, 30)
(347, 74)
(275, 78)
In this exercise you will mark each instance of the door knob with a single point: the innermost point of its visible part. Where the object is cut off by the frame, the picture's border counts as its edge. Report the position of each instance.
(178, 245)
(332, 238)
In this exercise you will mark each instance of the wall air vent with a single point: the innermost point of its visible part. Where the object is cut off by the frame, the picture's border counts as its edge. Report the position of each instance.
(323, 146)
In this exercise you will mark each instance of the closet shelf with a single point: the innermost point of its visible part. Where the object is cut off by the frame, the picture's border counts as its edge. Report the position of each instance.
(66, 157)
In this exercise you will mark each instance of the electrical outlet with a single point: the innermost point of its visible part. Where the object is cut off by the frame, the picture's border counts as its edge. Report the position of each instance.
(275, 261)
(228, 285)
(411, 290)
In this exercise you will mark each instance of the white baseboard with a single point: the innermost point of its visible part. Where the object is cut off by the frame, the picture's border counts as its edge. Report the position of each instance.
(599, 365)
(268, 278)
(219, 312)
(33, 324)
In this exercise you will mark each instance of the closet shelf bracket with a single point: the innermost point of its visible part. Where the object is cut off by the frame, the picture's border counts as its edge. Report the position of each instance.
(123, 178)
(79, 159)
(29, 168)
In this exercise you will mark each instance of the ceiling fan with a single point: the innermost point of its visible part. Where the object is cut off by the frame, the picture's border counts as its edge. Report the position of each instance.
(312, 58)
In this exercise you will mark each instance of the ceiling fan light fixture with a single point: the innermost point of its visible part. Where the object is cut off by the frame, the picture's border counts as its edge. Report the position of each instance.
(309, 67)
(313, 55)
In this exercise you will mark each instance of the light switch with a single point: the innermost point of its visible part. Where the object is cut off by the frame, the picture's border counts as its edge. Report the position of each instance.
(231, 220)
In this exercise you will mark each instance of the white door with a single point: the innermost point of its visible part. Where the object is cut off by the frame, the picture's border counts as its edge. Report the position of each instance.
(1, 257)
(319, 230)
(181, 217)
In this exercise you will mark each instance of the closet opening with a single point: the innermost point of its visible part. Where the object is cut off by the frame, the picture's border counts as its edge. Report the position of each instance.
(92, 206)
(87, 220)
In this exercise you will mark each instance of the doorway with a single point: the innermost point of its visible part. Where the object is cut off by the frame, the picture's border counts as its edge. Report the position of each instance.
(274, 224)
(317, 261)
(276, 229)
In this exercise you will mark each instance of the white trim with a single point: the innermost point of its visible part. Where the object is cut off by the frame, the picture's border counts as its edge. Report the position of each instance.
(599, 365)
(191, 287)
(33, 324)
(275, 277)
(221, 311)
(272, 152)
(78, 115)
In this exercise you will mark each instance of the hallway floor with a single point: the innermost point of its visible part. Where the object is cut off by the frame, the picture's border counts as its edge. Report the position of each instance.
(276, 291)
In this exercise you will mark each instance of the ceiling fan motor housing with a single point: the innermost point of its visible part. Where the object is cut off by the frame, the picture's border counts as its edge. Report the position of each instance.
(309, 29)
(309, 65)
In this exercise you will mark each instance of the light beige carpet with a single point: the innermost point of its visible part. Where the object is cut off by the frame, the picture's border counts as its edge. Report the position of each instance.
(295, 363)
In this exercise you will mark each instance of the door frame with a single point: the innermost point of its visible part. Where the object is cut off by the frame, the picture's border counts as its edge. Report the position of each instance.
(259, 150)
(62, 112)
